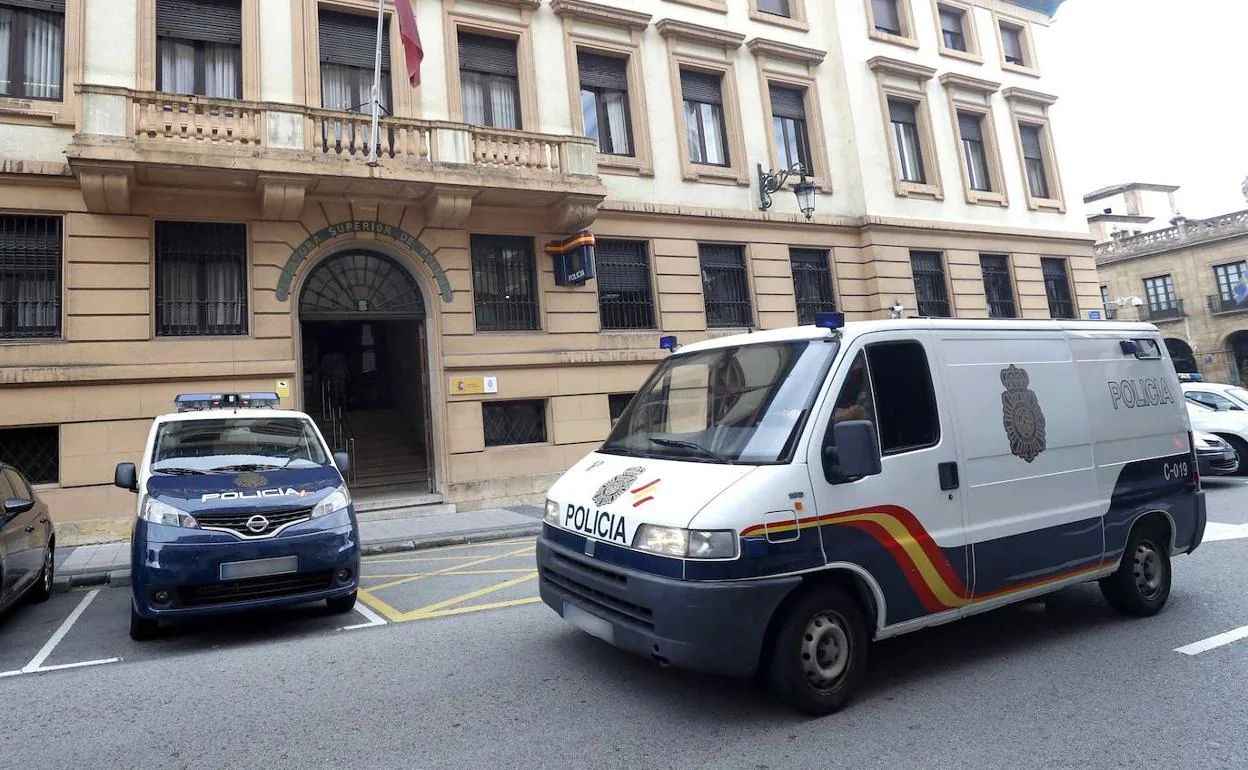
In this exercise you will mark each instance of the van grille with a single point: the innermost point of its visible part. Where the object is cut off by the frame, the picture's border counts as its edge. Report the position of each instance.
(236, 523)
(599, 602)
(249, 589)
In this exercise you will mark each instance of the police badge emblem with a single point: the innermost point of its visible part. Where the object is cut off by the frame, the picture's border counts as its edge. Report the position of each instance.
(1021, 414)
(610, 492)
(249, 480)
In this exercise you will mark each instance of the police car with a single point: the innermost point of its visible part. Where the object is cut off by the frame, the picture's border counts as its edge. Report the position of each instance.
(772, 503)
(241, 505)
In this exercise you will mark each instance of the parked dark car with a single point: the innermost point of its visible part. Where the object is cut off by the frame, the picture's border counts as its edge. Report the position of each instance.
(27, 541)
(1214, 456)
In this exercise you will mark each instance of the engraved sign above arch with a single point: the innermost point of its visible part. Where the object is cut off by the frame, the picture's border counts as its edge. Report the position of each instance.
(381, 229)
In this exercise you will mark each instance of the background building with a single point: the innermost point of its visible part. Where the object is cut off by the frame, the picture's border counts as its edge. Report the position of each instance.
(187, 207)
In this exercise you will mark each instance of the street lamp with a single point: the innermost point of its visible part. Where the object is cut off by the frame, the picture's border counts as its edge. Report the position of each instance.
(770, 182)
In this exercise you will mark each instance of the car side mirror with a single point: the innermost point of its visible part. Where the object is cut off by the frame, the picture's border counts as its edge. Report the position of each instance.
(342, 461)
(16, 506)
(853, 453)
(125, 476)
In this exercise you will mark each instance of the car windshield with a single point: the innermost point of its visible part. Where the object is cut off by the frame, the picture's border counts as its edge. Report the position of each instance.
(237, 444)
(740, 404)
(1239, 394)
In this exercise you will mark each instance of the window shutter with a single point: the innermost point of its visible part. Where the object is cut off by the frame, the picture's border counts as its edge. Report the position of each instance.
(351, 40)
(700, 87)
(1031, 141)
(1012, 42)
(488, 55)
(212, 21)
(778, 7)
(901, 112)
(53, 6)
(787, 103)
(971, 127)
(950, 21)
(599, 71)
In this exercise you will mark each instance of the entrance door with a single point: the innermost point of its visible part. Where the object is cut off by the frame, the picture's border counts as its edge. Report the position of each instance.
(904, 526)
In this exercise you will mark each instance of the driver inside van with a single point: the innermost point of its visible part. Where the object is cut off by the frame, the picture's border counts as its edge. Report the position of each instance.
(855, 400)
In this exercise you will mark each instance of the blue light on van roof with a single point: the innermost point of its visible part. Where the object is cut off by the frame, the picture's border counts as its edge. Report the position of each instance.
(667, 342)
(1190, 377)
(829, 320)
(189, 402)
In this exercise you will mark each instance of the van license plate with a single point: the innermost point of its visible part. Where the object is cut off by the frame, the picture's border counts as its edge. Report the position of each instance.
(279, 565)
(590, 624)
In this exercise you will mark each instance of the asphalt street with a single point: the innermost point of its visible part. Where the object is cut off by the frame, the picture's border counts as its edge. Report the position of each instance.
(451, 663)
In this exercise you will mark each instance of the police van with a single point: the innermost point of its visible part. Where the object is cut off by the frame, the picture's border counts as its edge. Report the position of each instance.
(770, 504)
(241, 505)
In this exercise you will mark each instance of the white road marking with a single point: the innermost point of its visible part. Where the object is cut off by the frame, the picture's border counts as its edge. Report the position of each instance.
(373, 618)
(14, 672)
(36, 663)
(1215, 531)
(1204, 645)
(99, 662)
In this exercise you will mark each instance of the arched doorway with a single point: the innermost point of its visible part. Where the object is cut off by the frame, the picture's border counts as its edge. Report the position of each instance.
(365, 368)
(1182, 356)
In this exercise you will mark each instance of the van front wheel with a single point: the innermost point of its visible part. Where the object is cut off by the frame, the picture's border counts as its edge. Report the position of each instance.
(1141, 585)
(819, 656)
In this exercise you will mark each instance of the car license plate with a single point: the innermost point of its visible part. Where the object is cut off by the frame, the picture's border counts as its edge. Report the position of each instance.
(279, 565)
(590, 624)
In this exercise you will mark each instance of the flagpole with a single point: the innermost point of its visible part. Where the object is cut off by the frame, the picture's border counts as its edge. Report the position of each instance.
(373, 137)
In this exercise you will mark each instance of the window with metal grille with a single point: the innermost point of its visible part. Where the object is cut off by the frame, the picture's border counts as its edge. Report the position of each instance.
(704, 117)
(812, 283)
(1057, 287)
(929, 283)
(775, 7)
(907, 149)
(1033, 158)
(998, 287)
(32, 49)
(1111, 311)
(604, 102)
(971, 126)
(199, 48)
(625, 297)
(348, 47)
(30, 277)
(951, 29)
(514, 422)
(201, 279)
(616, 404)
(788, 119)
(489, 81)
(36, 452)
(725, 287)
(504, 283)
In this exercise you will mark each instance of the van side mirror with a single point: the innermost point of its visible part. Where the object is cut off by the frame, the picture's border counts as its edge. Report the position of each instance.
(15, 506)
(125, 476)
(853, 453)
(342, 461)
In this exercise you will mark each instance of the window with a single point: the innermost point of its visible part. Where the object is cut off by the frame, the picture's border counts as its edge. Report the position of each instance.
(952, 31)
(1232, 283)
(775, 7)
(998, 288)
(929, 283)
(1111, 311)
(788, 117)
(201, 279)
(971, 127)
(907, 152)
(508, 423)
(1033, 158)
(625, 297)
(1160, 293)
(855, 401)
(489, 80)
(812, 283)
(504, 283)
(1057, 287)
(725, 288)
(1012, 45)
(616, 404)
(199, 47)
(36, 452)
(604, 102)
(32, 59)
(704, 117)
(348, 45)
(905, 400)
(30, 277)
(1221, 403)
(886, 18)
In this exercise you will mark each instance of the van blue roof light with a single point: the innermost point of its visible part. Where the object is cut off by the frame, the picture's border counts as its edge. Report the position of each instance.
(1190, 377)
(667, 342)
(190, 402)
(829, 320)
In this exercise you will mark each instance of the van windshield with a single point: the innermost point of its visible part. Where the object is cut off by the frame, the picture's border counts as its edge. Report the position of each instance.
(237, 444)
(741, 404)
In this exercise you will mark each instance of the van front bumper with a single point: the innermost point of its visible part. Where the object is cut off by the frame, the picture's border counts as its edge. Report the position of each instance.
(716, 627)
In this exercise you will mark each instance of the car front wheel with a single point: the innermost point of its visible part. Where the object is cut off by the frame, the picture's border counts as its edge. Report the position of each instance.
(41, 591)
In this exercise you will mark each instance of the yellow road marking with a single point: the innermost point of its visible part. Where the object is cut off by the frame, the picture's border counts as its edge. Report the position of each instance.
(453, 574)
(444, 570)
(431, 608)
(440, 549)
(479, 608)
(390, 613)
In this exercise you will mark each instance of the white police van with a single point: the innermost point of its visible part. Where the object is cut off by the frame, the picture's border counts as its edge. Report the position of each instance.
(771, 503)
(241, 506)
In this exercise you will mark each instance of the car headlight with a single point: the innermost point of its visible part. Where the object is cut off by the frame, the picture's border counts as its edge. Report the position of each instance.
(552, 513)
(1201, 443)
(157, 512)
(685, 543)
(338, 500)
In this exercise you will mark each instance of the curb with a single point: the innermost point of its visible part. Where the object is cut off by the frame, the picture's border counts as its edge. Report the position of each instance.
(114, 576)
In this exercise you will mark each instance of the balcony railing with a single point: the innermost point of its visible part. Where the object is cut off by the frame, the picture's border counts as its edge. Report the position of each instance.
(1185, 233)
(1169, 311)
(1219, 304)
(195, 119)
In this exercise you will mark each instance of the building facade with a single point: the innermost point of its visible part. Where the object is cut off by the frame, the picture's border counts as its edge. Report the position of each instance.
(188, 205)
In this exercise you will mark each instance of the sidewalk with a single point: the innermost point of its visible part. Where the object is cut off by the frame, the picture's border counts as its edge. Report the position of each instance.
(110, 563)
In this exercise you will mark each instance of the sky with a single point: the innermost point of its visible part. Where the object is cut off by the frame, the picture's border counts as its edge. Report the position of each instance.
(1151, 91)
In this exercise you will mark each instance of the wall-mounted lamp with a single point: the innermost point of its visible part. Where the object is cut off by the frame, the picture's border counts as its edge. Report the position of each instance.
(770, 182)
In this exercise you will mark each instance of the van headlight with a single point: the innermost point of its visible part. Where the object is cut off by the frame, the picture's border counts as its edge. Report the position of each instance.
(156, 512)
(336, 501)
(686, 543)
(552, 513)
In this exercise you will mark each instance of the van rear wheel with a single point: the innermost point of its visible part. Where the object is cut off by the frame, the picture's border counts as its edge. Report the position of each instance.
(819, 655)
(1141, 585)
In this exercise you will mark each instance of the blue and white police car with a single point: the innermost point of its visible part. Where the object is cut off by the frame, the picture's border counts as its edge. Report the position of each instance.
(241, 506)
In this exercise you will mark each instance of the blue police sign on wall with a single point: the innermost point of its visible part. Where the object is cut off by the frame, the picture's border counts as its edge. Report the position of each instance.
(1094, 315)
(574, 259)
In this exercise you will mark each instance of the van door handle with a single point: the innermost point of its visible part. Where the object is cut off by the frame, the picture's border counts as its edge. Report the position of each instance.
(948, 476)
(31, 528)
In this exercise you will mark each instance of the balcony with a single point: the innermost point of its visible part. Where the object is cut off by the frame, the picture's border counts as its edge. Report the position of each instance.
(129, 139)
(1161, 313)
(1188, 232)
(1219, 305)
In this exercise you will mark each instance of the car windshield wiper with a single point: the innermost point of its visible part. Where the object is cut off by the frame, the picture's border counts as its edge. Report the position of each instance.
(247, 467)
(698, 448)
(179, 471)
